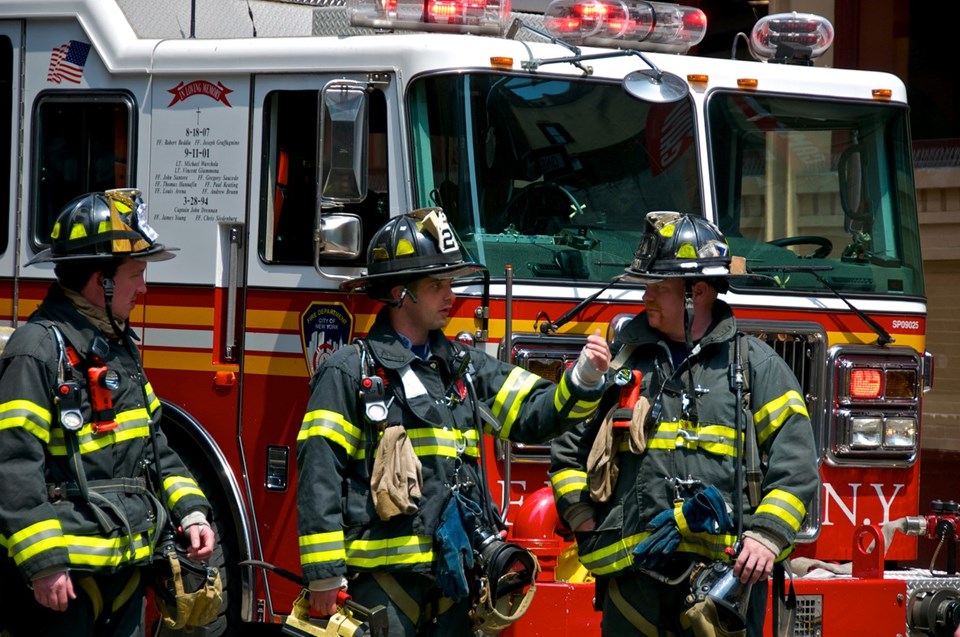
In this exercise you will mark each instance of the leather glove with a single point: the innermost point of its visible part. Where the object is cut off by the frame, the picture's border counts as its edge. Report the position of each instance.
(705, 512)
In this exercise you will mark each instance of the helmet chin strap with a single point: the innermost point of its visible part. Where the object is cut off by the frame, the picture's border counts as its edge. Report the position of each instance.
(690, 405)
(396, 304)
(108, 306)
(688, 315)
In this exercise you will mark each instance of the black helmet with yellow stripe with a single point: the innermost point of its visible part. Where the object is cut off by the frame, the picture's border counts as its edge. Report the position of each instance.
(104, 225)
(683, 245)
(410, 247)
(680, 245)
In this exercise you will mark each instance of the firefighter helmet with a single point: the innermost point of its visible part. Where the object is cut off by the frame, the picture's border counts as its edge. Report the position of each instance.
(410, 247)
(104, 225)
(680, 245)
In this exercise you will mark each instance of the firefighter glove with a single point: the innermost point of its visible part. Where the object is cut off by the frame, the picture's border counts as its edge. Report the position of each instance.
(397, 476)
(457, 523)
(705, 512)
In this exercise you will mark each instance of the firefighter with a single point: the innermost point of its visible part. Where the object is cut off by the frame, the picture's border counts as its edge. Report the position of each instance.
(650, 494)
(392, 496)
(85, 473)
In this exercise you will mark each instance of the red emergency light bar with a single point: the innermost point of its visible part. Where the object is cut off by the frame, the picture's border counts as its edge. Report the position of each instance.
(486, 17)
(626, 24)
(458, 11)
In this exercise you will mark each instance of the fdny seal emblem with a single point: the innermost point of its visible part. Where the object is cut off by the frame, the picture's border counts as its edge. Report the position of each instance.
(324, 328)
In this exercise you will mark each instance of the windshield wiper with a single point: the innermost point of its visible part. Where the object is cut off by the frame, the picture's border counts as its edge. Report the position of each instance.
(551, 327)
(883, 337)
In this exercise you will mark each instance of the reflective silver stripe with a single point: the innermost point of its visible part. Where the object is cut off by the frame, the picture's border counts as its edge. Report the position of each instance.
(131, 425)
(568, 481)
(95, 551)
(28, 415)
(318, 548)
(444, 442)
(413, 549)
(510, 397)
(332, 426)
(36, 538)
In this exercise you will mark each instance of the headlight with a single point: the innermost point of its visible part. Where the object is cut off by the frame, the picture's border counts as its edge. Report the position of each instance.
(876, 409)
(865, 433)
(900, 433)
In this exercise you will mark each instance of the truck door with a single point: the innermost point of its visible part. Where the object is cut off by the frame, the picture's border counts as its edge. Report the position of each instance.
(295, 318)
(10, 96)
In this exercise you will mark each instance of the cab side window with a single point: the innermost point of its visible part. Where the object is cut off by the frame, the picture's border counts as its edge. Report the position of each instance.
(84, 142)
(6, 137)
(288, 199)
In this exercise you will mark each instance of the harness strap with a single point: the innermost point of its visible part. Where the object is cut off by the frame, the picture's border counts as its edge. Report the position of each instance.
(406, 604)
(89, 586)
(59, 491)
(64, 369)
(127, 592)
(92, 491)
(752, 473)
(632, 615)
(95, 499)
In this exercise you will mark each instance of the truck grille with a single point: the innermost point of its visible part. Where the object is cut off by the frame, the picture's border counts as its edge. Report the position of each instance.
(803, 347)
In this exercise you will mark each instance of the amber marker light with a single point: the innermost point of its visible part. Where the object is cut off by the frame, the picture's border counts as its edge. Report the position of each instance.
(747, 82)
(698, 78)
(501, 62)
(882, 93)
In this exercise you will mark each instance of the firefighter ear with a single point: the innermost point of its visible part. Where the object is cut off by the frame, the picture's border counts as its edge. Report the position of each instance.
(701, 288)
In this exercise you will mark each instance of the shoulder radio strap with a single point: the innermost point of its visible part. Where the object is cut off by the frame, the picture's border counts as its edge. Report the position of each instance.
(372, 390)
(67, 401)
(751, 459)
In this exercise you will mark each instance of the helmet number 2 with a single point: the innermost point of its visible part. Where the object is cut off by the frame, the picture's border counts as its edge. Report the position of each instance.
(436, 224)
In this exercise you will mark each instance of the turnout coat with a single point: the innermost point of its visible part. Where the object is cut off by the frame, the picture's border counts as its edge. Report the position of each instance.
(339, 529)
(46, 523)
(701, 452)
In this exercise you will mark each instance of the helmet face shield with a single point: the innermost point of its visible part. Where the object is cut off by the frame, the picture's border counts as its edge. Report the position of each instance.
(646, 251)
(132, 210)
(104, 225)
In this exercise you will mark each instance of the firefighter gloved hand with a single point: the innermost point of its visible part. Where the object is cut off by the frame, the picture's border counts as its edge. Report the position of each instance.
(593, 362)
(453, 536)
(705, 512)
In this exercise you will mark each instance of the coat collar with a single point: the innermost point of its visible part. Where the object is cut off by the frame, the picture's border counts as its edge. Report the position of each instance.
(389, 349)
(638, 332)
(76, 328)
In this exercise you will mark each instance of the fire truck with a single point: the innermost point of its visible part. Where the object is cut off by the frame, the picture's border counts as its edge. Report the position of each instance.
(271, 139)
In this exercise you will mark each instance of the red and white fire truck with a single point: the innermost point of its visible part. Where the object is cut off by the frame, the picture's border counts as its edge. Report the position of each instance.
(270, 139)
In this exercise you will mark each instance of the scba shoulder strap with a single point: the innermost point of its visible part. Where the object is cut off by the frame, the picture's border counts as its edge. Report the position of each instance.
(373, 387)
(67, 403)
(752, 472)
(101, 381)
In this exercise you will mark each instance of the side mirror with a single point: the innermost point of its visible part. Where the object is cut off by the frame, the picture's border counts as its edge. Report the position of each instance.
(655, 86)
(338, 236)
(850, 173)
(341, 172)
(343, 125)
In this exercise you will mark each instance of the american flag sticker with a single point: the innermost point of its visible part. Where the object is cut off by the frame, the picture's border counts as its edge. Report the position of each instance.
(66, 62)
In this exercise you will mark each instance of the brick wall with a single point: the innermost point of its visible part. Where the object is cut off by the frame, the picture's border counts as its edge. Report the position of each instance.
(938, 200)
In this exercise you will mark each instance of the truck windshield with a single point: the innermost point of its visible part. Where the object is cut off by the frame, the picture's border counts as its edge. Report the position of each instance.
(815, 184)
(552, 176)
